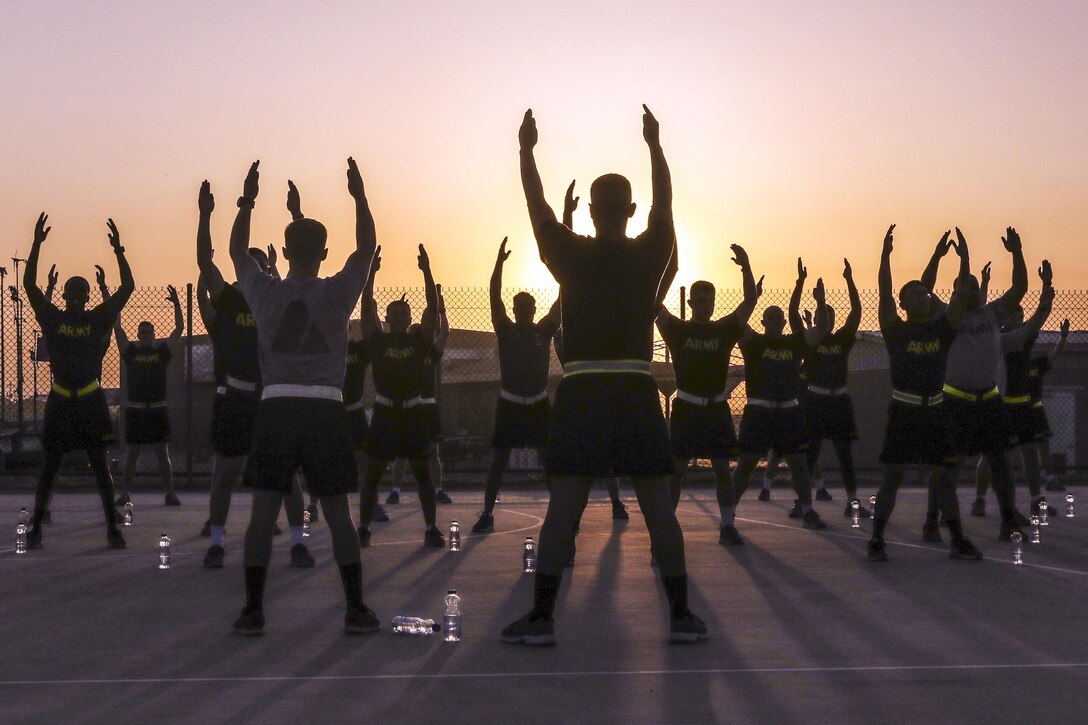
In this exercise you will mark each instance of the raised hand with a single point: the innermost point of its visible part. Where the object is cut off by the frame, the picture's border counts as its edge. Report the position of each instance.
(847, 271)
(503, 253)
(740, 257)
(172, 294)
(99, 276)
(943, 245)
(527, 135)
(807, 317)
(355, 180)
(651, 130)
(759, 286)
(252, 186)
(961, 244)
(1011, 240)
(52, 277)
(1047, 295)
(294, 201)
(40, 230)
(115, 237)
(570, 201)
(888, 239)
(424, 260)
(376, 260)
(205, 201)
(818, 291)
(272, 255)
(1046, 274)
(1065, 327)
(802, 272)
(985, 273)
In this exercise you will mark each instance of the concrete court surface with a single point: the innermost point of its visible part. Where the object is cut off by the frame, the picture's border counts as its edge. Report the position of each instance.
(803, 628)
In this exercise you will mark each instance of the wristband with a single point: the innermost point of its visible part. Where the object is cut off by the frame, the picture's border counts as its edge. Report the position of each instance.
(244, 202)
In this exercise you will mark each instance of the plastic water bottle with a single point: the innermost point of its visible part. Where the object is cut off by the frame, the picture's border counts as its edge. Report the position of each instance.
(528, 559)
(1017, 548)
(127, 518)
(20, 531)
(1069, 511)
(855, 514)
(872, 507)
(1044, 512)
(455, 536)
(164, 552)
(1034, 530)
(305, 524)
(415, 625)
(452, 618)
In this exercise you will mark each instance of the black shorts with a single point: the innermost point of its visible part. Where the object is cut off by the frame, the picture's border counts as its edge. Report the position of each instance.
(977, 427)
(73, 424)
(397, 433)
(782, 429)
(917, 435)
(302, 433)
(1040, 425)
(432, 421)
(702, 431)
(233, 418)
(607, 424)
(830, 417)
(521, 426)
(358, 428)
(147, 426)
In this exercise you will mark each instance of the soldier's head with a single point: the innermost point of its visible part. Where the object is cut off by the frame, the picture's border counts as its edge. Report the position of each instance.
(261, 258)
(701, 301)
(77, 291)
(524, 308)
(915, 299)
(304, 245)
(145, 333)
(774, 320)
(398, 315)
(610, 203)
(968, 289)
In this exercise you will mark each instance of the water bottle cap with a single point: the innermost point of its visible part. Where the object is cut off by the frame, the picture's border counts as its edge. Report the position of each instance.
(451, 591)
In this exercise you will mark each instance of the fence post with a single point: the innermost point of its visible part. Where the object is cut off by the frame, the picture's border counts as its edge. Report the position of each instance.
(189, 382)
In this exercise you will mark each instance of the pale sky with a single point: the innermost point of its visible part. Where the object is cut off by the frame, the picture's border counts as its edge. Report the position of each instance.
(790, 128)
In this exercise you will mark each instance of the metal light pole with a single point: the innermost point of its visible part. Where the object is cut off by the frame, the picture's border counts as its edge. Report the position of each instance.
(3, 353)
(17, 300)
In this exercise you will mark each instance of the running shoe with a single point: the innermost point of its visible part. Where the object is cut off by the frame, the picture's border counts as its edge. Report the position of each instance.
(978, 508)
(764, 494)
(250, 623)
(619, 511)
(315, 516)
(34, 539)
(729, 536)
(171, 499)
(686, 628)
(364, 537)
(876, 550)
(301, 557)
(533, 629)
(214, 558)
(964, 549)
(115, 540)
(441, 496)
(433, 538)
(931, 532)
(822, 494)
(812, 520)
(863, 512)
(393, 498)
(122, 500)
(484, 525)
(360, 621)
(379, 514)
(796, 512)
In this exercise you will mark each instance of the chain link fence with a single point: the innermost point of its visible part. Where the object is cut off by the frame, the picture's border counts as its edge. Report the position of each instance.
(470, 372)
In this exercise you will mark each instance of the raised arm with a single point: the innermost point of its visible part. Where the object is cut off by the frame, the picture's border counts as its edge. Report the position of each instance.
(370, 323)
(821, 324)
(51, 282)
(957, 305)
(179, 321)
(428, 323)
(239, 233)
(443, 334)
(209, 272)
(119, 298)
(796, 323)
(294, 201)
(37, 300)
(751, 289)
(1060, 347)
(539, 211)
(929, 274)
(119, 332)
(659, 168)
(552, 321)
(886, 312)
(100, 280)
(1015, 294)
(204, 304)
(984, 283)
(668, 275)
(366, 237)
(498, 308)
(570, 203)
(853, 319)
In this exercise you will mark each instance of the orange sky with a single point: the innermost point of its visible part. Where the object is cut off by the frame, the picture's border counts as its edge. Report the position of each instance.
(791, 128)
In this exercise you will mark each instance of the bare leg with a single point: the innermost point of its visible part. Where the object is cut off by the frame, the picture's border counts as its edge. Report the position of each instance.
(258, 544)
(166, 470)
(677, 481)
(132, 455)
(666, 536)
(500, 459)
(369, 495)
(422, 471)
(741, 477)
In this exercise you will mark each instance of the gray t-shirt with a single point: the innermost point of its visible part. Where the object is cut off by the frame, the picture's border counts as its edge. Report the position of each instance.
(302, 324)
(975, 360)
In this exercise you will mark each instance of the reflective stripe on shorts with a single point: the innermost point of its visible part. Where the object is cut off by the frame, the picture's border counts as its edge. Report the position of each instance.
(970, 397)
(914, 399)
(523, 399)
(581, 367)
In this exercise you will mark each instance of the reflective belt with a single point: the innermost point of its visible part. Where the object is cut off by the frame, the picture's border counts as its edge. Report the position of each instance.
(145, 406)
(776, 404)
(1017, 399)
(291, 390)
(76, 393)
(354, 406)
(581, 367)
(410, 403)
(428, 401)
(241, 385)
(1037, 404)
(221, 390)
(971, 397)
(696, 400)
(826, 391)
(913, 399)
(522, 399)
